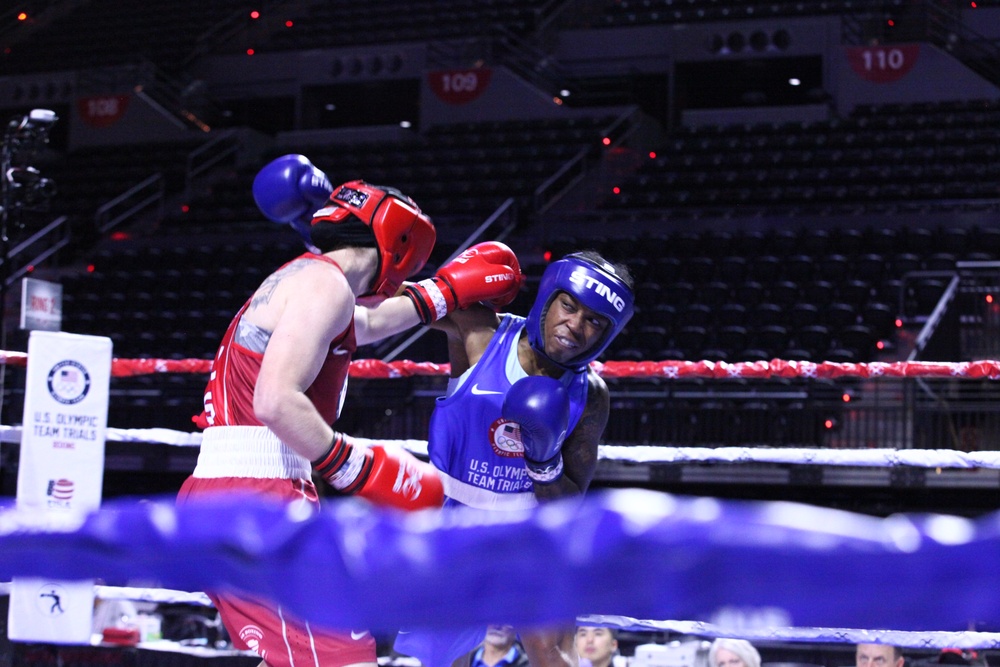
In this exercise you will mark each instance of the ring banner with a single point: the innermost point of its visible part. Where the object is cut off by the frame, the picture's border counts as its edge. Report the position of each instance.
(631, 552)
(60, 471)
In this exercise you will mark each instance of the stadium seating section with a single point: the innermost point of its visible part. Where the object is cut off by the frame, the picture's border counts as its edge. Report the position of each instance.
(794, 240)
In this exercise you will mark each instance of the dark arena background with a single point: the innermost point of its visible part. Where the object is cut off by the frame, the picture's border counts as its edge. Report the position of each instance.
(798, 181)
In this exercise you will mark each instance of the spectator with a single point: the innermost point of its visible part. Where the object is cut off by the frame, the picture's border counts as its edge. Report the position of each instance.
(596, 646)
(733, 653)
(878, 655)
(500, 648)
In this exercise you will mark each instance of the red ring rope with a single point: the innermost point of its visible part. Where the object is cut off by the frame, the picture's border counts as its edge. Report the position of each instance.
(776, 368)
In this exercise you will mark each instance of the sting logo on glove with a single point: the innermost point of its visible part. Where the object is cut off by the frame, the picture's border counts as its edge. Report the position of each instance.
(487, 272)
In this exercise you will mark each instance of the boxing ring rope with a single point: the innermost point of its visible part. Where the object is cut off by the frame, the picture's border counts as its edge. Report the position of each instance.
(875, 458)
(902, 638)
(810, 570)
(759, 571)
(777, 368)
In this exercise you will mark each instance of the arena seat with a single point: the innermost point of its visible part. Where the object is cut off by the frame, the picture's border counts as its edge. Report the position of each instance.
(732, 268)
(859, 339)
(814, 338)
(732, 340)
(880, 317)
(772, 338)
(694, 314)
(853, 291)
(802, 315)
(750, 293)
(838, 315)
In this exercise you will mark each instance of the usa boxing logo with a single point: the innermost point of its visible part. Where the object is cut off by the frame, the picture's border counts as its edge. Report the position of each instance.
(505, 438)
(59, 492)
(68, 382)
(251, 635)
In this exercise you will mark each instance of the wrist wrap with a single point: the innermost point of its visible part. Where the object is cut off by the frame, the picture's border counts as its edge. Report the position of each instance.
(344, 466)
(547, 472)
(431, 299)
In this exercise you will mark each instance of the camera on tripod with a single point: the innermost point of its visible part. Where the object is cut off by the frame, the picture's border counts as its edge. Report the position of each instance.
(29, 185)
(23, 185)
(32, 128)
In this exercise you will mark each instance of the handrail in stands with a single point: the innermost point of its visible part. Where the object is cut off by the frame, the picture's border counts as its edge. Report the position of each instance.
(149, 192)
(937, 315)
(568, 175)
(58, 226)
(223, 145)
(578, 167)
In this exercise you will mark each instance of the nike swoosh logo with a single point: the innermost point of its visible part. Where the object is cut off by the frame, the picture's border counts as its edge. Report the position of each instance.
(358, 635)
(483, 392)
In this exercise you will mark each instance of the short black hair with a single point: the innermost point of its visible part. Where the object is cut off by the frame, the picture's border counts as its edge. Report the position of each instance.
(619, 269)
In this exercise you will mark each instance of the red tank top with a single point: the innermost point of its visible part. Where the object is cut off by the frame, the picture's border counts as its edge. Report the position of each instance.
(229, 393)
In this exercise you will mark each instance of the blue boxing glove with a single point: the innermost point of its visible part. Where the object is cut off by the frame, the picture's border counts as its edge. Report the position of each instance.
(540, 406)
(289, 190)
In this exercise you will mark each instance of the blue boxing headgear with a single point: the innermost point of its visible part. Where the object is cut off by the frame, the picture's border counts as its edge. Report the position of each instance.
(594, 285)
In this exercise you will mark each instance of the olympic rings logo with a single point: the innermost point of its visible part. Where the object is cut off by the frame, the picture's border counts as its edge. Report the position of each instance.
(505, 439)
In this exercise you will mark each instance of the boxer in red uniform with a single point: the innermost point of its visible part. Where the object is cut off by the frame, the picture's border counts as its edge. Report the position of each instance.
(280, 375)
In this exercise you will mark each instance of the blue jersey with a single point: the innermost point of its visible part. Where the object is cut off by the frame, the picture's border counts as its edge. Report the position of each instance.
(479, 453)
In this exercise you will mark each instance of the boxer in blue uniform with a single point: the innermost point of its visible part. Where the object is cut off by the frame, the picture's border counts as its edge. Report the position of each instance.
(524, 412)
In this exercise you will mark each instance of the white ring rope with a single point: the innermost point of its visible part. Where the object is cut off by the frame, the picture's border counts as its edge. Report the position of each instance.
(881, 458)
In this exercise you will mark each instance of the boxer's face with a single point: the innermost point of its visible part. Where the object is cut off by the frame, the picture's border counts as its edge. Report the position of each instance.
(571, 329)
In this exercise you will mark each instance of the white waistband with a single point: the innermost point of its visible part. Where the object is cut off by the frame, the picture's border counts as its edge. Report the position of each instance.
(248, 451)
(480, 498)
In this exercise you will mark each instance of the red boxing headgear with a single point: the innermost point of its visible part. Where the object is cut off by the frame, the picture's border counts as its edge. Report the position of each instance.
(405, 236)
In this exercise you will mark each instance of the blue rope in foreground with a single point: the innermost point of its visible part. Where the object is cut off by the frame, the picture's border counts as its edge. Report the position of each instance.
(632, 553)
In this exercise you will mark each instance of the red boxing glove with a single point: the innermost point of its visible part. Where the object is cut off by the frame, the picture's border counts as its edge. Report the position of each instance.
(394, 478)
(401, 480)
(487, 272)
(495, 252)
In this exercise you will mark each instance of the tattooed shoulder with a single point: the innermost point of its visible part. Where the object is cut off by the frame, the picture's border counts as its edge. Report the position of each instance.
(267, 288)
